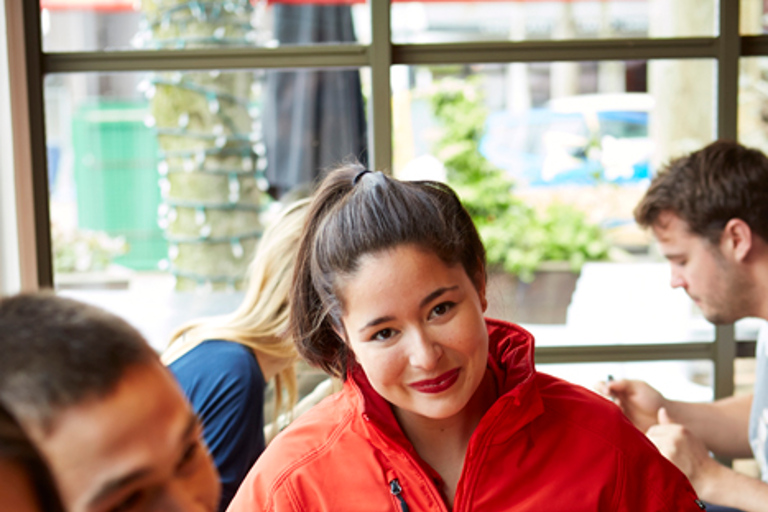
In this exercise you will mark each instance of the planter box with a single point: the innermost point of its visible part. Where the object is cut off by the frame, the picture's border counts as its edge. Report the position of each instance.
(545, 300)
(115, 277)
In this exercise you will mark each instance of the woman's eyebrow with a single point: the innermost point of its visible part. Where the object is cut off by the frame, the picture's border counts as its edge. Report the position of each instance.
(375, 322)
(435, 294)
(426, 300)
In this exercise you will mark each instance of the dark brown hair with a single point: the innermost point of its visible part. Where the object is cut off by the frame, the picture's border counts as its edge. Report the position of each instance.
(58, 352)
(355, 214)
(709, 187)
(16, 448)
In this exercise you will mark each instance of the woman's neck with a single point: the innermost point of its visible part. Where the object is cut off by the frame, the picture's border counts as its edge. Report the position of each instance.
(271, 365)
(442, 443)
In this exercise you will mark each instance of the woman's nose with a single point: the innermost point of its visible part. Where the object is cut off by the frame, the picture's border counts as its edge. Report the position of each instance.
(425, 353)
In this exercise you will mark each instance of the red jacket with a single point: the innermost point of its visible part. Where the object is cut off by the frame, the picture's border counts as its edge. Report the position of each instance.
(545, 445)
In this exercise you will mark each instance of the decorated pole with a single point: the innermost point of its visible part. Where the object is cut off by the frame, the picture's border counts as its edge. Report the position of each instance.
(211, 159)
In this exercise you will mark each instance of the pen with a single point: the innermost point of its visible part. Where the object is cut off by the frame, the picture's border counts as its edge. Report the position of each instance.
(611, 397)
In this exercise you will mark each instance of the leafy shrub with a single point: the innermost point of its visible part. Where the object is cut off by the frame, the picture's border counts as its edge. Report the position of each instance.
(517, 237)
(83, 251)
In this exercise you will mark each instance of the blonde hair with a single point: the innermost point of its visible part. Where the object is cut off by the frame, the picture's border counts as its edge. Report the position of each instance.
(261, 322)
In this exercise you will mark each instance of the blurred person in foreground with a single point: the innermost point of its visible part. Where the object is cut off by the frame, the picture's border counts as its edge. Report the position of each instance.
(107, 416)
(709, 213)
(25, 482)
(223, 364)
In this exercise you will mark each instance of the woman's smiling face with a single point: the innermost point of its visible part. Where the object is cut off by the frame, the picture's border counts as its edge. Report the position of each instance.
(416, 327)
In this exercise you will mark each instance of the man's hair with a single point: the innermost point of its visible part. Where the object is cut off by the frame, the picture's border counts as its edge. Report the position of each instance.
(709, 187)
(57, 352)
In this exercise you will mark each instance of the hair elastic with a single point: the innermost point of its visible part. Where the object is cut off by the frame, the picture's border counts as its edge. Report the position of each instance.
(358, 176)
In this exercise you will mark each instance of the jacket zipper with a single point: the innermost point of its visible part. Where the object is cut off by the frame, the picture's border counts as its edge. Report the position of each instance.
(396, 490)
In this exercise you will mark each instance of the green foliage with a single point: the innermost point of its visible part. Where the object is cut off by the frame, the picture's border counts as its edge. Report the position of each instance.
(517, 237)
(83, 250)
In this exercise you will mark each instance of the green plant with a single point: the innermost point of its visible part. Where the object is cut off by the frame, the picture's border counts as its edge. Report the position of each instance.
(83, 251)
(517, 237)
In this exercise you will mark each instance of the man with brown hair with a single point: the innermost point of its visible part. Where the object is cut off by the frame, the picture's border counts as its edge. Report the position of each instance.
(103, 411)
(709, 213)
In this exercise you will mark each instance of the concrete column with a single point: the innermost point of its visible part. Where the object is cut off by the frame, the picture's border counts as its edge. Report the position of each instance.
(683, 118)
(564, 78)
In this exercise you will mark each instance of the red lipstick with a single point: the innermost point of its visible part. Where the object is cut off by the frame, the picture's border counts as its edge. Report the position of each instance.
(439, 384)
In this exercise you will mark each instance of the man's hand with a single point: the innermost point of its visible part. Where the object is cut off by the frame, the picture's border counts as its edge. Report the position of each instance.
(685, 451)
(639, 401)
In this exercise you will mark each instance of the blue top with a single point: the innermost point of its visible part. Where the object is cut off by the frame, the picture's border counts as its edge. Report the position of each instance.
(225, 386)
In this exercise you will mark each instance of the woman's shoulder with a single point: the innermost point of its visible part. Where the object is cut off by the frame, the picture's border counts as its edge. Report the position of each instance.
(219, 364)
(585, 409)
(316, 443)
(592, 428)
(589, 415)
(217, 352)
(325, 460)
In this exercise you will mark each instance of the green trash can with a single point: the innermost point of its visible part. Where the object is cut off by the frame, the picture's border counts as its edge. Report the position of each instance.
(115, 171)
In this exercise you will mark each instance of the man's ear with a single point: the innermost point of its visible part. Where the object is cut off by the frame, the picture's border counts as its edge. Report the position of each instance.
(736, 239)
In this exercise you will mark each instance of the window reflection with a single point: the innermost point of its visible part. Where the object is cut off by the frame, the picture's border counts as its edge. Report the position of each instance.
(178, 172)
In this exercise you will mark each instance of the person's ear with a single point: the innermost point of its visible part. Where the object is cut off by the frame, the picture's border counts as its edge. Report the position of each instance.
(736, 239)
(341, 332)
(480, 286)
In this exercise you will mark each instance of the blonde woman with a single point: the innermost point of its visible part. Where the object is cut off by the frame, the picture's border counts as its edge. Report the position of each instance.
(224, 363)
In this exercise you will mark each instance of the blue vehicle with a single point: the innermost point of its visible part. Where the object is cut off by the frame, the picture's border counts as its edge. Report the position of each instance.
(581, 140)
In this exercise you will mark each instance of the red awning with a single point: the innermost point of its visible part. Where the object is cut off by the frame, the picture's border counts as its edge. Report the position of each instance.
(88, 5)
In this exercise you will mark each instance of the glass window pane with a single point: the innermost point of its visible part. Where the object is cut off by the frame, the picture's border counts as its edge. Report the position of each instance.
(96, 25)
(162, 182)
(575, 144)
(752, 17)
(452, 22)
(690, 381)
(753, 102)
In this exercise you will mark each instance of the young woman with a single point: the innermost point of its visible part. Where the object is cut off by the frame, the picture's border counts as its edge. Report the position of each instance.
(223, 364)
(25, 483)
(441, 409)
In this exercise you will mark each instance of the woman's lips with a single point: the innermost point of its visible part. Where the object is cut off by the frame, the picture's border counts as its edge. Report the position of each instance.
(439, 384)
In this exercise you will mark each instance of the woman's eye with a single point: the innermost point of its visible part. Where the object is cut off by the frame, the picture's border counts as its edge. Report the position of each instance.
(441, 309)
(383, 334)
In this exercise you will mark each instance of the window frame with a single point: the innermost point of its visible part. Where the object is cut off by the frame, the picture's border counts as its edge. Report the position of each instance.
(379, 56)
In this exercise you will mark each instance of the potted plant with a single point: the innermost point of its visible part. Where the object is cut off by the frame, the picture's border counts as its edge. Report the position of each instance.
(534, 256)
(84, 259)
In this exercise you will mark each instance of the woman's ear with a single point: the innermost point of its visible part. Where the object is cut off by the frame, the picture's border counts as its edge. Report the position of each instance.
(341, 332)
(480, 285)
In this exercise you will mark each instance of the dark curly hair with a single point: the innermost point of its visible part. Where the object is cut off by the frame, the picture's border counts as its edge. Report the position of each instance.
(356, 212)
